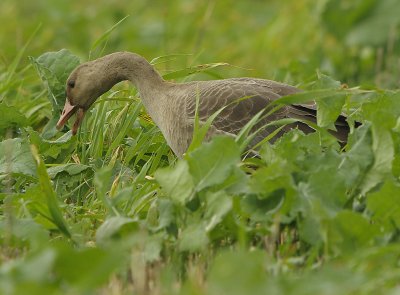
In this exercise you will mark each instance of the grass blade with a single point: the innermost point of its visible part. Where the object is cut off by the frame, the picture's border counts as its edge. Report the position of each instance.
(46, 187)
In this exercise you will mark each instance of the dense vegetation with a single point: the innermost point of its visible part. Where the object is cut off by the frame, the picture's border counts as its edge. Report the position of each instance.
(113, 211)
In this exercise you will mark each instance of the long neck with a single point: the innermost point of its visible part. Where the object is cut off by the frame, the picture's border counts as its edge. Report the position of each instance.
(122, 66)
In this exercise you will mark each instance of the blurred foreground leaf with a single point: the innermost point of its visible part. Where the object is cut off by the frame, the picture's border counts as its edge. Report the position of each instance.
(212, 163)
(16, 157)
(176, 182)
(114, 228)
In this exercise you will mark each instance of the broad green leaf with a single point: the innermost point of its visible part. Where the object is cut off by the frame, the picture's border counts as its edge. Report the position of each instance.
(237, 273)
(383, 150)
(70, 169)
(327, 184)
(262, 209)
(115, 228)
(359, 159)
(325, 82)
(35, 268)
(161, 214)
(38, 208)
(213, 162)
(310, 229)
(350, 231)
(54, 69)
(270, 178)
(236, 183)
(328, 110)
(87, 268)
(218, 205)
(193, 238)
(102, 182)
(27, 231)
(57, 149)
(384, 205)
(153, 246)
(16, 158)
(273, 189)
(176, 182)
(383, 110)
(71, 181)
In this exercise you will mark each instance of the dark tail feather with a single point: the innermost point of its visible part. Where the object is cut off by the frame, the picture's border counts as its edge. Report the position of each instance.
(307, 113)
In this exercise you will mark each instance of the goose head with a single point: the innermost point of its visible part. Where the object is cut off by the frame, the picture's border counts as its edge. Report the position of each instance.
(84, 85)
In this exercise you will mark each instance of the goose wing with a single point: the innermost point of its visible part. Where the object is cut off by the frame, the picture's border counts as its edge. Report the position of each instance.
(243, 98)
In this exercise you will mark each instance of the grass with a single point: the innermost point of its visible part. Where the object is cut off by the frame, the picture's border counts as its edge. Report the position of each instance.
(113, 211)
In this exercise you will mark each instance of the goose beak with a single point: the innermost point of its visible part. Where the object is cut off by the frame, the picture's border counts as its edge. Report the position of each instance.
(67, 112)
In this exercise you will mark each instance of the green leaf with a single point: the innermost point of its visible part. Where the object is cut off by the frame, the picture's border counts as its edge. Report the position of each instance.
(218, 205)
(383, 109)
(57, 149)
(176, 182)
(359, 159)
(238, 273)
(153, 247)
(193, 238)
(310, 230)
(350, 231)
(102, 182)
(51, 197)
(385, 205)
(274, 189)
(27, 231)
(383, 150)
(161, 214)
(16, 158)
(35, 268)
(325, 82)
(115, 228)
(10, 116)
(328, 185)
(54, 69)
(328, 110)
(70, 169)
(87, 268)
(270, 178)
(213, 162)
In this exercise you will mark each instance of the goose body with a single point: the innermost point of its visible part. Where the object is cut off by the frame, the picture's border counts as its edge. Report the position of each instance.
(172, 105)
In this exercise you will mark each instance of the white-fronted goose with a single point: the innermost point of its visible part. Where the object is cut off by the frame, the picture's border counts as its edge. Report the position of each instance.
(172, 105)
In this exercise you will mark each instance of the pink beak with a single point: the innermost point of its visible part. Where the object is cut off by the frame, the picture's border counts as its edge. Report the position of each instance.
(67, 112)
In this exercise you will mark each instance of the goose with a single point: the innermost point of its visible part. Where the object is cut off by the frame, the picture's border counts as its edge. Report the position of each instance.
(172, 106)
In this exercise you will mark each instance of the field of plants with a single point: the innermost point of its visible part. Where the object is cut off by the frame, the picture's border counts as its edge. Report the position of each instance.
(113, 211)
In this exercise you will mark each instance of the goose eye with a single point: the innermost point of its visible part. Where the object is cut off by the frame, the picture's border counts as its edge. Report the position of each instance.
(71, 83)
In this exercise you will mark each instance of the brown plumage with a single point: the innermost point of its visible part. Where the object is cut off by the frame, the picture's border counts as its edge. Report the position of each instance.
(172, 105)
